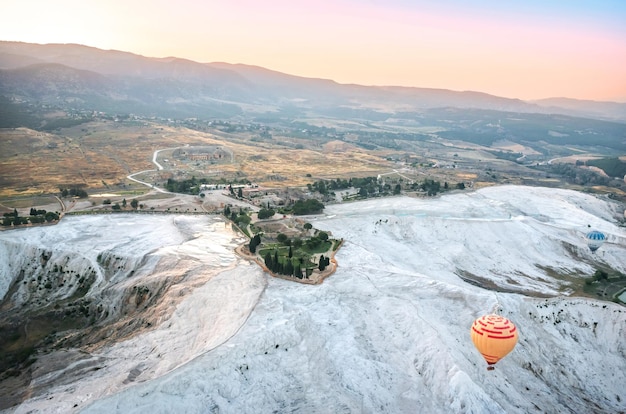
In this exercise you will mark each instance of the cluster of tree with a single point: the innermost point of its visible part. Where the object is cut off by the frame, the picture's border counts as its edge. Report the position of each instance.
(254, 242)
(601, 275)
(58, 123)
(265, 213)
(430, 186)
(43, 216)
(369, 186)
(296, 242)
(304, 130)
(190, 186)
(282, 238)
(13, 218)
(241, 219)
(326, 186)
(36, 217)
(315, 241)
(74, 191)
(227, 127)
(310, 206)
(284, 267)
(613, 167)
(15, 115)
(598, 276)
(576, 175)
(116, 207)
(324, 262)
(372, 189)
(506, 155)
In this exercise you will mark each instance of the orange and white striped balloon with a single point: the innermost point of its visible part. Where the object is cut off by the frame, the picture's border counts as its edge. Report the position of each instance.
(494, 336)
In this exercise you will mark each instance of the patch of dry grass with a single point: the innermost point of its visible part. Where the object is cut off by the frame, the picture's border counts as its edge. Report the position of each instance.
(99, 156)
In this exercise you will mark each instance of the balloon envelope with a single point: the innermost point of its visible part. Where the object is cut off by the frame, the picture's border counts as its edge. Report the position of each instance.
(494, 336)
(595, 239)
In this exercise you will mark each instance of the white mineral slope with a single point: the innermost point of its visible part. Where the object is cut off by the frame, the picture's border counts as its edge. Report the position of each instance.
(76, 242)
(212, 296)
(505, 234)
(388, 332)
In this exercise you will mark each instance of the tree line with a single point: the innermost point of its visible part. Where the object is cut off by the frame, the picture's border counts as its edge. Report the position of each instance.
(325, 186)
(370, 186)
(74, 191)
(35, 217)
(576, 175)
(288, 266)
(613, 167)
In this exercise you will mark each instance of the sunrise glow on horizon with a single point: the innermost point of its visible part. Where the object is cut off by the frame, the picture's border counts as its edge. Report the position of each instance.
(518, 49)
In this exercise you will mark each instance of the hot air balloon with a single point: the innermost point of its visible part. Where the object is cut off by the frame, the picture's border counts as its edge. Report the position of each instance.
(595, 239)
(494, 336)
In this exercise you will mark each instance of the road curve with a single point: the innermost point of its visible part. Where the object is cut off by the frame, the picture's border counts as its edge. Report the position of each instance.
(159, 168)
(154, 159)
(154, 187)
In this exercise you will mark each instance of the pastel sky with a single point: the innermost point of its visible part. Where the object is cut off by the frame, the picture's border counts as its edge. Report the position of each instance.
(526, 49)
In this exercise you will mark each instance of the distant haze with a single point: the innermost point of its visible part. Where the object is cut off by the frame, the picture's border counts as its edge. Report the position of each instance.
(526, 50)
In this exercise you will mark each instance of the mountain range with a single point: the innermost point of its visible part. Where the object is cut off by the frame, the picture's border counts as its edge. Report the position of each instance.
(107, 80)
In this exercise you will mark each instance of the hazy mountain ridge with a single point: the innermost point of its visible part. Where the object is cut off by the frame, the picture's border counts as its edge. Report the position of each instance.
(577, 107)
(110, 62)
(55, 83)
(196, 83)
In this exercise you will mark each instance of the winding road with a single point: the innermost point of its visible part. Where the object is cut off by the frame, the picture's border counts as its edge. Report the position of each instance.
(159, 167)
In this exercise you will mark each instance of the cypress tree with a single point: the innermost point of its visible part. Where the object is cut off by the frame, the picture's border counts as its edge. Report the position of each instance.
(289, 268)
(276, 263)
(322, 263)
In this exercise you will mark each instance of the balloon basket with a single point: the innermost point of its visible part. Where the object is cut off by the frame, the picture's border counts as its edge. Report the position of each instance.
(490, 368)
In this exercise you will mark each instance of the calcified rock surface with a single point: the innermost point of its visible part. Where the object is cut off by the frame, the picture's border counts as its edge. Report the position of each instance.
(388, 332)
(116, 279)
